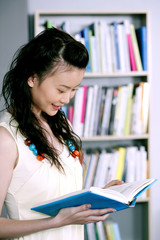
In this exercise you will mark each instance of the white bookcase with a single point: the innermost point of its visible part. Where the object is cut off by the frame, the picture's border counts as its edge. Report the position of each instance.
(134, 223)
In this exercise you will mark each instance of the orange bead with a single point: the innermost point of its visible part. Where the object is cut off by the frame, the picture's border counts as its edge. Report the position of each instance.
(40, 157)
(75, 153)
(27, 142)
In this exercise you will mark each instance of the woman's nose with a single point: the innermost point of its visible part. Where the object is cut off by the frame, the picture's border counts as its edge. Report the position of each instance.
(65, 99)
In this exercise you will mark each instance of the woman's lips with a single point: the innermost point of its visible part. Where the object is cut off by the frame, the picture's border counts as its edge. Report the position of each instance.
(55, 107)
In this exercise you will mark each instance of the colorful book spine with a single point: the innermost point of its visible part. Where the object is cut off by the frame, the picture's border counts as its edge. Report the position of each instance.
(70, 114)
(136, 48)
(115, 25)
(85, 35)
(130, 46)
(85, 87)
(142, 42)
(107, 111)
(128, 116)
(121, 161)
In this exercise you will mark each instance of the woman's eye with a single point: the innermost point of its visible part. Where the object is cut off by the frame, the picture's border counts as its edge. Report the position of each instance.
(74, 90)
(60, 91)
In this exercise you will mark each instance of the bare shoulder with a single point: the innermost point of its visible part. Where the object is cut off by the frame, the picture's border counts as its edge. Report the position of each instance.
(8, 147)
(8, 159)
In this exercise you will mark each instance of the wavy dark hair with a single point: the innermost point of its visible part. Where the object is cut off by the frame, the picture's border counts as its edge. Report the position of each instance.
(42, 56)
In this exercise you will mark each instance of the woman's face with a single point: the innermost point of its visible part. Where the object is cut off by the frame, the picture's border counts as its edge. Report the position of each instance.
(55, 90)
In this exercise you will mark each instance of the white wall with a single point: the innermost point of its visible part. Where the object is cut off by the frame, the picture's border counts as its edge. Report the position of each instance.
(153, 6)
(13, 32)
(12, 40)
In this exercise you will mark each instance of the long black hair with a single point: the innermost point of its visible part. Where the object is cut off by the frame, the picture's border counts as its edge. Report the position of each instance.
(41, 56)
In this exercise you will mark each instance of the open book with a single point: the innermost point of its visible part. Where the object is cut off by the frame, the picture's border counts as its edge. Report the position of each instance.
(118, 197)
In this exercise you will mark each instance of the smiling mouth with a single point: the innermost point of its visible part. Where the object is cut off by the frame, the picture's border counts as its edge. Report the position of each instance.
(56, 107)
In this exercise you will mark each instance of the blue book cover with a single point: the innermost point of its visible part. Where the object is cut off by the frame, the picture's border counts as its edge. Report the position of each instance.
(117, 45)
(116, 231)
(85, 35)
(118, 197)
(142, 42)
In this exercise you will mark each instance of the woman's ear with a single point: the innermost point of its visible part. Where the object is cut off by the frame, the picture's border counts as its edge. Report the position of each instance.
(32, 80)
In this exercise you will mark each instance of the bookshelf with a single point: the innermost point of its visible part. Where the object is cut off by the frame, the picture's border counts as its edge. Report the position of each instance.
(137, 219)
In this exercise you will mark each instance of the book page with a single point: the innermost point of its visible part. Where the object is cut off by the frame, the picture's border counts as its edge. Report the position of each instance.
(129, 190)
(109, 193)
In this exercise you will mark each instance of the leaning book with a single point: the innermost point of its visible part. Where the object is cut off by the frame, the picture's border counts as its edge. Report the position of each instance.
(118, 197)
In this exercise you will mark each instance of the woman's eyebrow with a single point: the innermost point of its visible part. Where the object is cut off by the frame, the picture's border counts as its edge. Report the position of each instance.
(62, 85)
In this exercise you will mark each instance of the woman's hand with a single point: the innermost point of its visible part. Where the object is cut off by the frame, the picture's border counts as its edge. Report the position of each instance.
(113, 182)
(81, 215)
(84, 214)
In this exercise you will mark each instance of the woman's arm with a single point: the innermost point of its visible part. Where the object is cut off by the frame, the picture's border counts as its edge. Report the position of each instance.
(15, 228)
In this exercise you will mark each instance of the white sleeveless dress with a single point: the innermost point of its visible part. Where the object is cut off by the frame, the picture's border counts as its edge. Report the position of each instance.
(36, 181)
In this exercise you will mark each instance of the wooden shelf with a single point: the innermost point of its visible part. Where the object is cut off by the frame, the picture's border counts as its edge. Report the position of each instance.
(143, 200)
(78, 20)
(125, 74)
(115, 138)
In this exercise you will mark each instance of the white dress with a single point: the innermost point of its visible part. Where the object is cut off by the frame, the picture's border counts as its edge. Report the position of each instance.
(36, 181)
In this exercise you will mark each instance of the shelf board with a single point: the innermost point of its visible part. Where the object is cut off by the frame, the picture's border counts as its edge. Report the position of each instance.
(92, 13)
(116, 74)
(141, 200)
(114, 138)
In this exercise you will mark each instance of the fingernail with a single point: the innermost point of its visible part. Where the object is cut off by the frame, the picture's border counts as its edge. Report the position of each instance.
(113, 210)
(88, 206)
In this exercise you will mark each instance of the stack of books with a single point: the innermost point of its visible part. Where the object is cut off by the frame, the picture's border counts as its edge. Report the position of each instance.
(117, 111)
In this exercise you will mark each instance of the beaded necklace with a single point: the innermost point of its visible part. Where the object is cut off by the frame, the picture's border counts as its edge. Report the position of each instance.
(40, 157)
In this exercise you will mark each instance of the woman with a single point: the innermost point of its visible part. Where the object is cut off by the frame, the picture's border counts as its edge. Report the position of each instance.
(37, 142)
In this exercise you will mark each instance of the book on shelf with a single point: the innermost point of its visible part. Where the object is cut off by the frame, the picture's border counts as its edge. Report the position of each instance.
(116, 42)
(84, 102)
(112, 230)
(126, 163)
(77, 123)
(130, 45)
(112, 47)
(136, 48)
(108, 50)
(70, 114)
(64, 108)
(118, 111)
(77, 114)
(101, 111)
(136, 125)
(98, 111)
(113, 165)
(85, 165)
(102, 169)
(130, 162)
(93, 113)
(145, 106)
(128, 115)
(124, 45)
(107, 111)
(95, 27)
(141, 34)
(121, 162)
(85, 35)
(118, 197)
(91, 169)
(93, 49)
(103, 46)
(101, 231)
(91, 231)
(122, 104)
(88, 111)
(113, 111)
